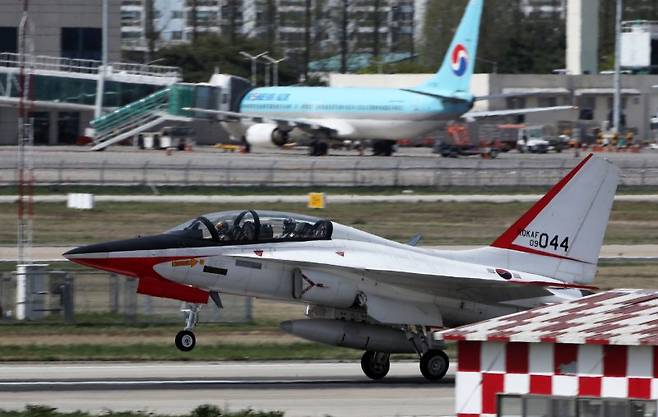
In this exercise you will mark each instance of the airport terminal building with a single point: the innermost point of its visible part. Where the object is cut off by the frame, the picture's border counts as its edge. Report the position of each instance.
(64, 30)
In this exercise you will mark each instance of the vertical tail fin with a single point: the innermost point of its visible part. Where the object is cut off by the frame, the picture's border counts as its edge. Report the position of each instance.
(561, 235)
(454, 75)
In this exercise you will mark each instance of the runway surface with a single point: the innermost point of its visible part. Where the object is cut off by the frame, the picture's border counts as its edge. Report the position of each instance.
(309, 389)
(207, 166)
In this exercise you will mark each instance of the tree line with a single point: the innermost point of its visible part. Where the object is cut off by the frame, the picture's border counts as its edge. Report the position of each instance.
(510, 41)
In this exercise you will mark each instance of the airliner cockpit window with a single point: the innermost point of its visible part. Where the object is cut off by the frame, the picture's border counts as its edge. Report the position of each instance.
(249, 226)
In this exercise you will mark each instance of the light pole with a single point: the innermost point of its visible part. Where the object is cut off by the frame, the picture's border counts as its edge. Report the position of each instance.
(275, 64)
(253, 59)
(100, 83)
(616, 106)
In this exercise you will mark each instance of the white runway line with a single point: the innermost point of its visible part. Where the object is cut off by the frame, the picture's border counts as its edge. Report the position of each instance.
(330, 198)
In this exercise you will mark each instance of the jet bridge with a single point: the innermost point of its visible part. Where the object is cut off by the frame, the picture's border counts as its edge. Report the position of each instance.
(64, 84)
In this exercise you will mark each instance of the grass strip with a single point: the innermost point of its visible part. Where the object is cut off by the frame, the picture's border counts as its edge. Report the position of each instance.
(204, 410)
(166, 352)
(299, 190)
(440, 223)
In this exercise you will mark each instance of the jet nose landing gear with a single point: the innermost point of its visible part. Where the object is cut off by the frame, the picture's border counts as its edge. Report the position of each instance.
(185, 339)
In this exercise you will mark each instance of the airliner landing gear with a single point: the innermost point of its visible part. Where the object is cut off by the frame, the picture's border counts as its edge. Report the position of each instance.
(434, 364)
(185, 339)
(319, 147)
(375, 364)
(383, 148)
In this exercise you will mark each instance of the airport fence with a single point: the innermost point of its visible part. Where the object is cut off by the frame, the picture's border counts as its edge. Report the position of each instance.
(106, 298)
(429, 172)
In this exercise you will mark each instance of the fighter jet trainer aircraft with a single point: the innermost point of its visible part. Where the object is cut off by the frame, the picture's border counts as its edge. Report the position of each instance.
(366, 292)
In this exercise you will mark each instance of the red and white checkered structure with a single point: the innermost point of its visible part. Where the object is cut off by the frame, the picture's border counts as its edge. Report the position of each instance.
(604, 345)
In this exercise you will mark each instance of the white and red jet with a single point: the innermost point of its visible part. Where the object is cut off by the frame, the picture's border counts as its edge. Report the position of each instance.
(366, 292)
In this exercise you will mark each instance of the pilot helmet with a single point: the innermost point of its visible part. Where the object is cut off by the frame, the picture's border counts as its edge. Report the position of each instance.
(288, 223)
(223, 226)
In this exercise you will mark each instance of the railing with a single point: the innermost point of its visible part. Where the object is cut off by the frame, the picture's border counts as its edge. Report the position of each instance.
(126, 114)
(101, 297)
(640, 25)
(231, 170)
(88, 66)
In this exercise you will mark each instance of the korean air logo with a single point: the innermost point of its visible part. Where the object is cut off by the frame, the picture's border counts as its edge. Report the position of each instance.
(459, 60)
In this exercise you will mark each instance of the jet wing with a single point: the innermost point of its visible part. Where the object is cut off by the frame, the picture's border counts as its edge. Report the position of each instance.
(511, 112)
(490, 291)
(337, 127)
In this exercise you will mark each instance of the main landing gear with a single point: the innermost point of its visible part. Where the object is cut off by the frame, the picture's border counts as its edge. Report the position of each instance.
(185, 339)
(433, 364)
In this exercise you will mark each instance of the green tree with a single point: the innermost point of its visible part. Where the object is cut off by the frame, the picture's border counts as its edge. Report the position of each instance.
(509, 41)
(200, 60)
(441, 20)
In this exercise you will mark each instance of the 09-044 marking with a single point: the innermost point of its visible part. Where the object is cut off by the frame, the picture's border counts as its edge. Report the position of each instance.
(544, 240)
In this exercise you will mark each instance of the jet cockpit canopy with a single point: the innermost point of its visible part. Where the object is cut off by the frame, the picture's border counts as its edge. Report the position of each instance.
(250, 226)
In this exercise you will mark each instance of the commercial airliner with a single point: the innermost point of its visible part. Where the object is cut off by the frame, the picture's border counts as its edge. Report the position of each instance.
(366, 292)
(277, 115)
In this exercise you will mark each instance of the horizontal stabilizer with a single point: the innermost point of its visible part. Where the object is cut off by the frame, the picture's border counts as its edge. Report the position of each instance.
(512, 112)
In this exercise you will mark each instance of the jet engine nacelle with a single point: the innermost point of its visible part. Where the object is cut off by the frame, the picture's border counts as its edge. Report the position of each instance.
(350, 334)
(318, 287)
(266, 134)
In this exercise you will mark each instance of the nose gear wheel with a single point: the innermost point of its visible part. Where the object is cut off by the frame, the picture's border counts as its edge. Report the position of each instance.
(185, 340)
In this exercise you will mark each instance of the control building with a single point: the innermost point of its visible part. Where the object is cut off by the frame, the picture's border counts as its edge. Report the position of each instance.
(639, 46)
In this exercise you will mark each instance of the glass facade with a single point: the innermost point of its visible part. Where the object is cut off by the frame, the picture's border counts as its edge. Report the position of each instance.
(82, 91)
(8, 39)
(81, 43)
(68, 127)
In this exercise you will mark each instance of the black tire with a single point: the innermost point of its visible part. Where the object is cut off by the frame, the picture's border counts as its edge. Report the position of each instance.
(376, 148)
(434, 365)
(375, 369)
(323, 148)
(387, 148)
(185, 340)
(493, 153)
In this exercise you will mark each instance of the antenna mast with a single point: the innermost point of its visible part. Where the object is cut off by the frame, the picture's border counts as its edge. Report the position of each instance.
(25, 165)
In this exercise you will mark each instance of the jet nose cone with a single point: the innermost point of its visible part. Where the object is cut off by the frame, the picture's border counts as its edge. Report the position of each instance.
(86, 251)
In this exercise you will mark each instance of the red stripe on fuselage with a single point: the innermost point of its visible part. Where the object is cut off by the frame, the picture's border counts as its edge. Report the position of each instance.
(133, 267)
(538, 252)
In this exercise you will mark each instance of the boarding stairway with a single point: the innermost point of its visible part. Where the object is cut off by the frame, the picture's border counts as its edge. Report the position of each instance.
(169, 104)
(128, 121)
